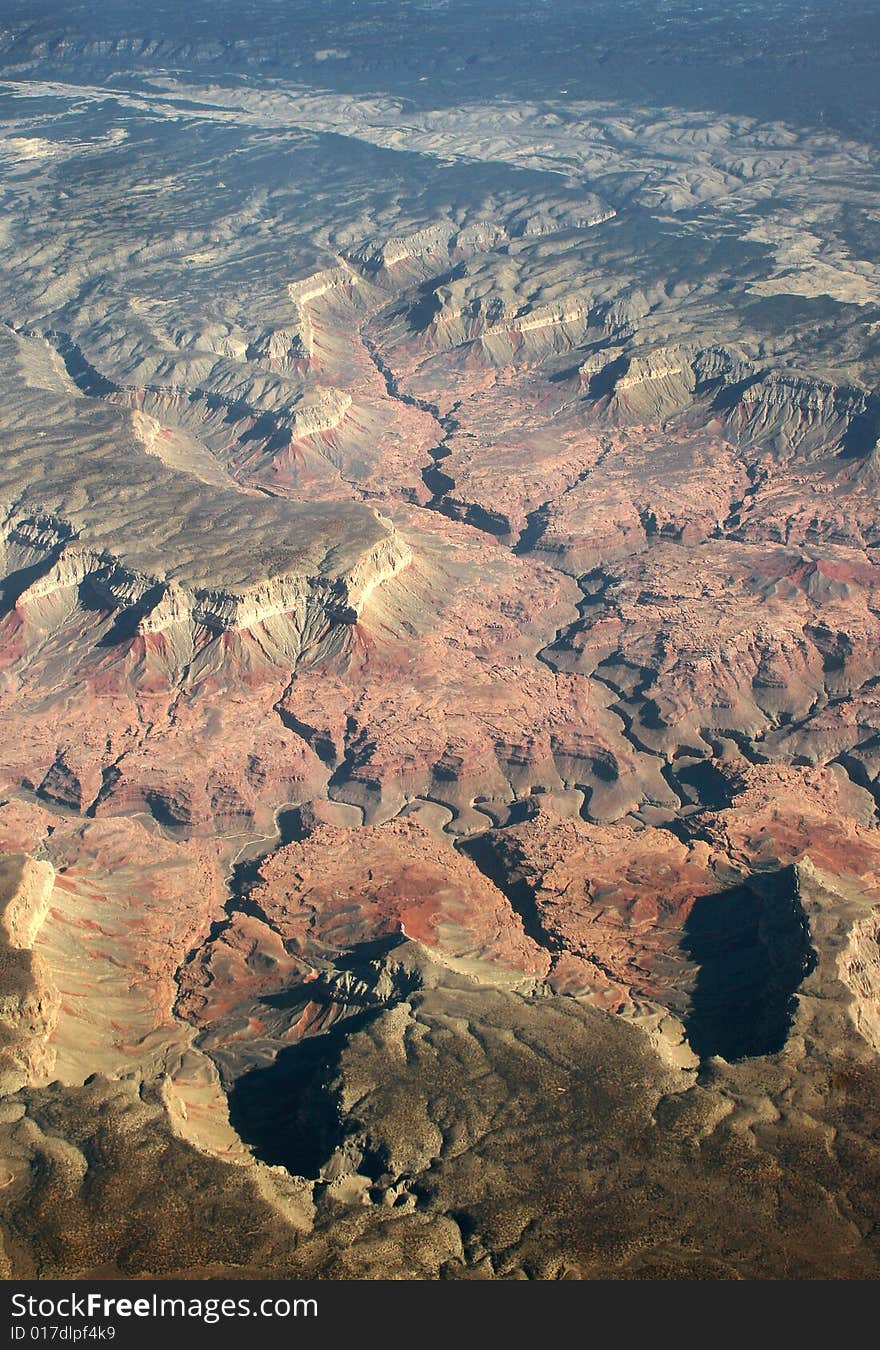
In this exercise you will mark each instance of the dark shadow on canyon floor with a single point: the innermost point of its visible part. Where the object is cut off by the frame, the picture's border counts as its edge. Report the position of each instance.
(284, 1110)
(752, 947)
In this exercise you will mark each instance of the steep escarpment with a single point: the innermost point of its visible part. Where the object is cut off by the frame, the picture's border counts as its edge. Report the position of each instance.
(147, 543)
(30, 1000)
(786, 411)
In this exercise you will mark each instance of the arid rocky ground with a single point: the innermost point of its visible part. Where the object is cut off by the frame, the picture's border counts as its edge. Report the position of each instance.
(439, 670)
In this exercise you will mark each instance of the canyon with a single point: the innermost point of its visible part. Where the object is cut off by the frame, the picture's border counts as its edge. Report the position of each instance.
(439, 687)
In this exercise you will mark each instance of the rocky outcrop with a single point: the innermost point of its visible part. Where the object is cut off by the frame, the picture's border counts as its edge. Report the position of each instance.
(859, 966)
(306, 291)
(29, 1001)
(309, 603)
(325, 413)
(433, 240)
(786, 411)
(50, 560)
(280, 345)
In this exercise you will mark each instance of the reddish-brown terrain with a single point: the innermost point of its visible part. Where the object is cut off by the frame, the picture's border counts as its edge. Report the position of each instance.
(439, 713)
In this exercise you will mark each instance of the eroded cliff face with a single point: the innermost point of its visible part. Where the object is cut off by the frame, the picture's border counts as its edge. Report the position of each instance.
(438, 707)
(29, 1010)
